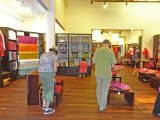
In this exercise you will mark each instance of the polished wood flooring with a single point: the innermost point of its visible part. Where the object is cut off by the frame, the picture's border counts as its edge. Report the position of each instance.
(79, 101)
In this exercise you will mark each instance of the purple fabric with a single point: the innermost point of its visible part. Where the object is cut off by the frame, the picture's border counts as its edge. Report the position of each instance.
(27, 40)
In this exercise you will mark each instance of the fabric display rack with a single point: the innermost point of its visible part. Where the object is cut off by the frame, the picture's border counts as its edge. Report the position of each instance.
(8, 53)
(30, 48)
(71, 49)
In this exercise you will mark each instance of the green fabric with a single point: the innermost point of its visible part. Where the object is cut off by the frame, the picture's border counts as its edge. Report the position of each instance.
(103, 59)
(47, 79)
(25, 71)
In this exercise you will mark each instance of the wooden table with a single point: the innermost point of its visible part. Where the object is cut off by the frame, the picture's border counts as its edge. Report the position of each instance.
(145, 74)
(128, 95)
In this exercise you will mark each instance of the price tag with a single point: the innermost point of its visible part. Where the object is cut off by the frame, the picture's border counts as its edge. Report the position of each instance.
(119, 93)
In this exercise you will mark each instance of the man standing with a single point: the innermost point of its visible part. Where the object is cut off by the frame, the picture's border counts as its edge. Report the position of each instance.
(104, 60)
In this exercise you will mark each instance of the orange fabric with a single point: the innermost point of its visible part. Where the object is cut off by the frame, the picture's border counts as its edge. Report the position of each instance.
(44, 46)
(28, 48)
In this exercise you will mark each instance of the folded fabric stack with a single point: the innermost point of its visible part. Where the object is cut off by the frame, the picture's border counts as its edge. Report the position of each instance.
(147, 70)
(117, 86)
(117, 67)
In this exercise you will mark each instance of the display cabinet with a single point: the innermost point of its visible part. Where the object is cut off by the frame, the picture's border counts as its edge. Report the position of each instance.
(8, 67)
(71, 49)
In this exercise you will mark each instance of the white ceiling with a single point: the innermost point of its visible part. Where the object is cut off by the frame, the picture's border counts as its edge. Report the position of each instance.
(20, 11)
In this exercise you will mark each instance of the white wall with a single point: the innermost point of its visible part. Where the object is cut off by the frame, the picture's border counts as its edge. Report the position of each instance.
(81, 17)
(58, 29)
(35, 25)
(133, 36)
(7, 20)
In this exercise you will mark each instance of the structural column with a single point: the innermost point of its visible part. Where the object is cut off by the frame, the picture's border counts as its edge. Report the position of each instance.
(50, 33)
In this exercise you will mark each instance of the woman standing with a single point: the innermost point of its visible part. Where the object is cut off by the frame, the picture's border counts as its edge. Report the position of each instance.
(47, 70)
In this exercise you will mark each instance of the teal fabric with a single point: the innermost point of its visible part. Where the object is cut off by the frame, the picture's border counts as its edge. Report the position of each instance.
(47, 79)
(25, 71)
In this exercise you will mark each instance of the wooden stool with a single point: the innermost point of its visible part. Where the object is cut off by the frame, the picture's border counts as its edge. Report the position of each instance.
(59, 81)
(58, 92)
(128, 95)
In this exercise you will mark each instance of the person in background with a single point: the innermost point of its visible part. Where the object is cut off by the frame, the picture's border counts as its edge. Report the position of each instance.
(47, 69)
(83, 68)
(104, 60)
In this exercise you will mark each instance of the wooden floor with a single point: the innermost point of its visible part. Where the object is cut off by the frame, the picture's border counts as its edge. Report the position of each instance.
(79, 101)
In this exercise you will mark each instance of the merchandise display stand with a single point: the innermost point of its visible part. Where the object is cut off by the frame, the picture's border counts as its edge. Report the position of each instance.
(30, 48)
(9, 71)
(71, 49)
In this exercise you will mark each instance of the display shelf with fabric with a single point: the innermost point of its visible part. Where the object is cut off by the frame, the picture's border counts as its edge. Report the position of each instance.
(72, 48)
(30, 48)
(8, 40)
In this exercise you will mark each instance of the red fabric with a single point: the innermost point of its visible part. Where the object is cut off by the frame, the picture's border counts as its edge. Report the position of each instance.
(1, 42)
(146, 53)
(115, 49)
(131, 52)
(59, 80)
(83, 67)
(57, 89)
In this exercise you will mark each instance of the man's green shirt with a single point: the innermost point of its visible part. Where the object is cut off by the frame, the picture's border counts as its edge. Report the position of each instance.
(103, 59)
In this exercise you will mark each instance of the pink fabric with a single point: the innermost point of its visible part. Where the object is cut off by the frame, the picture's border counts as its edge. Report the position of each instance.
(118, 85)
(27, 40)
(147, 71)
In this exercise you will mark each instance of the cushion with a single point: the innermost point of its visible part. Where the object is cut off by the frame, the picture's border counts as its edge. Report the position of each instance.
(57, 89)
(59, 80)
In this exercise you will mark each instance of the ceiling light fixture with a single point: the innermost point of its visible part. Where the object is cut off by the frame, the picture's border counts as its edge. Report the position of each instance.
(105, 5)
(91, 3)
(126, 7)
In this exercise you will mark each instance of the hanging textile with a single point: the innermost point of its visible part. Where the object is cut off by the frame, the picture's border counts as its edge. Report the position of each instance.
(28, 63)
(28, 55)
(25, 71)
(28, 48)
(2, 44)
(27, 40)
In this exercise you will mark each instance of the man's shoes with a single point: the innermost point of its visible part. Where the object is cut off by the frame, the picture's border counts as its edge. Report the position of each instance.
(158, 115)
(49, 111)
(102, 109)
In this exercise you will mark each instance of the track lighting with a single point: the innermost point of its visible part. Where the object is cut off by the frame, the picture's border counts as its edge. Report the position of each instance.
(126, 7)
(91, 3)
(105, 4)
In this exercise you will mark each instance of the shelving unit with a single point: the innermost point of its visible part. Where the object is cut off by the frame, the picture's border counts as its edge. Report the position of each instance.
(8, 69)
(31, 47)
(71, 49)
(156, 47)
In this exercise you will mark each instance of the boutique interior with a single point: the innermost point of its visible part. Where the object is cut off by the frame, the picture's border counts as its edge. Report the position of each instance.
(28, 28)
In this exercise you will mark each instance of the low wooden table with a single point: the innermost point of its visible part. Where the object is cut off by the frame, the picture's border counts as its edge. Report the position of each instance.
(145, 74)
(128, 95)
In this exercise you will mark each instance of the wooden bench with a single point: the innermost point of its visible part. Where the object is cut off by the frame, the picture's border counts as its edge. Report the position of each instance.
(128, 95)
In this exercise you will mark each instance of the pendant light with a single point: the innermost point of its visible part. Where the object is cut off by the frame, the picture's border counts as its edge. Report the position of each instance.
(105, 4)
(126, 7)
